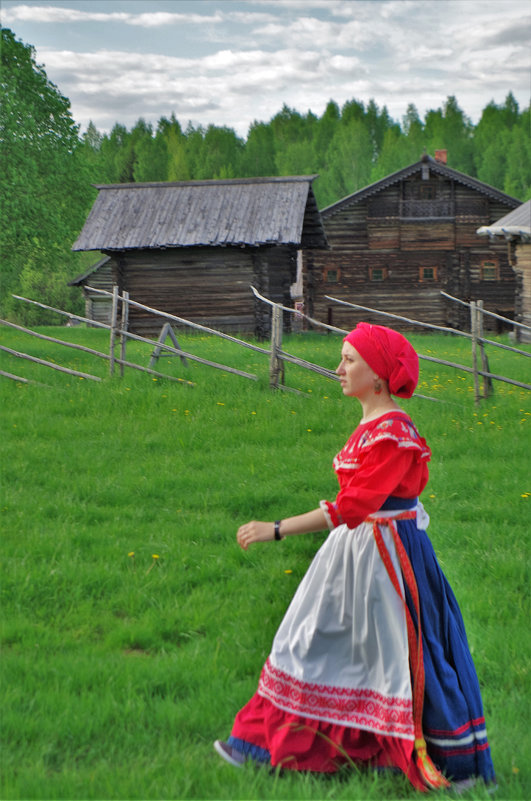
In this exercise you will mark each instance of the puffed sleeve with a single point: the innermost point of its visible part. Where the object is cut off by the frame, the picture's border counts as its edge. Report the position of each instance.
(363, 491)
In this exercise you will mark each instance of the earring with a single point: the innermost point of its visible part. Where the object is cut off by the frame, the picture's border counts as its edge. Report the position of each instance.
(377, 387)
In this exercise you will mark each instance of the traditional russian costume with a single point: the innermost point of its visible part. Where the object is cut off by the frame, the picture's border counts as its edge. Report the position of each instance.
(371, 664)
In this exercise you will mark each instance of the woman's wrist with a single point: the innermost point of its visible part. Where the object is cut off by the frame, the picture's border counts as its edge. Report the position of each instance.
(277, 525)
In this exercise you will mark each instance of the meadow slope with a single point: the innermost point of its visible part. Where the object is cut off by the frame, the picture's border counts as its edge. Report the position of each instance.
(133, 627)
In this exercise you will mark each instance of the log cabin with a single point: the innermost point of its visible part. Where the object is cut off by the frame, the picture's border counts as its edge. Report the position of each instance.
(394, 245)
(194, 248)
(515, 230)
(98, 276)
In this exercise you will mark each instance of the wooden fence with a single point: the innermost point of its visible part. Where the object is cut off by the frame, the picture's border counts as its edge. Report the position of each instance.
(475, 336)
(119, 335)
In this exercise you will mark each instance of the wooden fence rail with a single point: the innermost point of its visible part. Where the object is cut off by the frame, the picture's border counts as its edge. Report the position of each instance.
(114, 331)
(118, 331)
(52, 365)
(476, 311)
(488, 313)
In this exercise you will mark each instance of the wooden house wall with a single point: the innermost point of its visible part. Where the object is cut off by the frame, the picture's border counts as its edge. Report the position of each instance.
(522, 254)
(98, 307)
(206, 285)
(377, 233)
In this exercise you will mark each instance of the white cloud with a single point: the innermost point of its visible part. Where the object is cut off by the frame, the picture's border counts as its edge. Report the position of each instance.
(59, 14)
(240, 61)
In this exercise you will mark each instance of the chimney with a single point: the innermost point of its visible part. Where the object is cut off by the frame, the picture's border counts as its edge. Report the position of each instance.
(441, 156)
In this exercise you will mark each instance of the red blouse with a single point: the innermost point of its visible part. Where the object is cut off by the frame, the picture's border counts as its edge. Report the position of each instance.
(386, 456)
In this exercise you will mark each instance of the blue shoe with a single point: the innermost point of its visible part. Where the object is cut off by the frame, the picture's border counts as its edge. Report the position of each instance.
(229, 754)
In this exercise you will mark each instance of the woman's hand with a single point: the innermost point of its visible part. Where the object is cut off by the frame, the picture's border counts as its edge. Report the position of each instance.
(255, 531)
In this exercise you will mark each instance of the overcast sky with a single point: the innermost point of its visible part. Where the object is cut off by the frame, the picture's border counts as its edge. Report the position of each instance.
(229, 62)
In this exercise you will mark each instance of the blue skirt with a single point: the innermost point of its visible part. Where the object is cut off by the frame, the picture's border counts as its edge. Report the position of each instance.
(453, 720)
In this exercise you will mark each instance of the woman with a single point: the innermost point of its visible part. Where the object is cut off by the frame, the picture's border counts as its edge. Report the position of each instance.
(371, 663)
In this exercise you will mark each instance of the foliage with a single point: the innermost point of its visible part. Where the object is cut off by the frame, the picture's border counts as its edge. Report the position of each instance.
(48, 168)
(119, 668)
(44, 182)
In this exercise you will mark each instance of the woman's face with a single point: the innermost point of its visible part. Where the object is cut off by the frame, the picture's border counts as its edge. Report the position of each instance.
(357, 378)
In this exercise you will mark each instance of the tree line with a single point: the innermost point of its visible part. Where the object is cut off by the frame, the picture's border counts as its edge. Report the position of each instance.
(49, 166)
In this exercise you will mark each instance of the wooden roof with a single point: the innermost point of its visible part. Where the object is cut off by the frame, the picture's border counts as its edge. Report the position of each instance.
(240, 212)
(92, 269)
(515, 225)
(435, 167)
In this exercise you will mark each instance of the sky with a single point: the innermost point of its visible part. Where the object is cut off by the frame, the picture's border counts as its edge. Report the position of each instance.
(231, 62)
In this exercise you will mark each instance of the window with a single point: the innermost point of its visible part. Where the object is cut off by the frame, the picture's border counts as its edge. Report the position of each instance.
(427, 192)
(332, 275)
(489, 271)
(427, 273)
(377, 273)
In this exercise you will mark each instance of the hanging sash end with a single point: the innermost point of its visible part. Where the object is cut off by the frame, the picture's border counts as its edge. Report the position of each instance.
(431, 775)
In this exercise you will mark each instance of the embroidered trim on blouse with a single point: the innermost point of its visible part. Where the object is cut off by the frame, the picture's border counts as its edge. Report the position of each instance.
(400, 431)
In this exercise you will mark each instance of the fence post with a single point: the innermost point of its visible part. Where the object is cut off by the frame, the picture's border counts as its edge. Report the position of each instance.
(276, 369)
(487, 382)
(114, 318)
(474, 333)
(123, 331)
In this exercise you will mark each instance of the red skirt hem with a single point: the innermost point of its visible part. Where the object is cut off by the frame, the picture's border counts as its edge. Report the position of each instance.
(300, 743)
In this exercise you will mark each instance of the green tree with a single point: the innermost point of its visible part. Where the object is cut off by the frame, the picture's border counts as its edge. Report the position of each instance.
(449, 129)
(175, 140)
(151, 160)
(378, 123)
(259, 151)
(221, 154)
(45, 178)
(395, 153)
(517, 179)
(349, 161)
(194, 149)
(115, 153)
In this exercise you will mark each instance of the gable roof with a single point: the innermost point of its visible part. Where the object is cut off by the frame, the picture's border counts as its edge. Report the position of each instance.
(92, 269)
(436, 167)
(515, 225)
(246, 211)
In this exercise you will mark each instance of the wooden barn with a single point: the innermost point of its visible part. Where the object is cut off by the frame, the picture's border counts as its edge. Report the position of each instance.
(194, 248)
(515, 230)
(395, 244)
(98, 276)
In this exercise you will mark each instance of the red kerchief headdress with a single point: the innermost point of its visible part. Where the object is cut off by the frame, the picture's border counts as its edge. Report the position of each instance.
(389, 354)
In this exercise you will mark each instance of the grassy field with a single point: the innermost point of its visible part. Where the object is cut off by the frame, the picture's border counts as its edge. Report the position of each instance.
(133, 627)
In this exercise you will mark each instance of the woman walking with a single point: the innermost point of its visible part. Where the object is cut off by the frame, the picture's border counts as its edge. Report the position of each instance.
(370, 664)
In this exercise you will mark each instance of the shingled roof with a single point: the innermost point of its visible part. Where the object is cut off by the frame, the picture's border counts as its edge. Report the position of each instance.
(434, 166)
(238, 212)
(515, 225)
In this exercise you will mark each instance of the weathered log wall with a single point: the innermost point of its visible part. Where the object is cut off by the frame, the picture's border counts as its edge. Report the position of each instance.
(206, 285)
(395, 252)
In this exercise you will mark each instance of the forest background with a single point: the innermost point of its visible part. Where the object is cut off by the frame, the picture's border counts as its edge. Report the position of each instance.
(49, 166)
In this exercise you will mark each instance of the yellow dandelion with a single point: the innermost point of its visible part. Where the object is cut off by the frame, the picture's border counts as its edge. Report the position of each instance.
(131, 553)
(155, 556)
(288, 572)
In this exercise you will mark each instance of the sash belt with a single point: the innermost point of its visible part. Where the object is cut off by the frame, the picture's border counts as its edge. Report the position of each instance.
(431, 775)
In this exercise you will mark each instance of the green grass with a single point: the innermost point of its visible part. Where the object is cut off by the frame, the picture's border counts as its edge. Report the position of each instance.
(118, 671)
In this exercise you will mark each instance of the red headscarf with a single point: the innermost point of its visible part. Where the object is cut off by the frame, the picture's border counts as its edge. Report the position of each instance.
(389, 354)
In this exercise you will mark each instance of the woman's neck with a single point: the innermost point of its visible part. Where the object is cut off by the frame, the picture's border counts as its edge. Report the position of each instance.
(375, 407)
